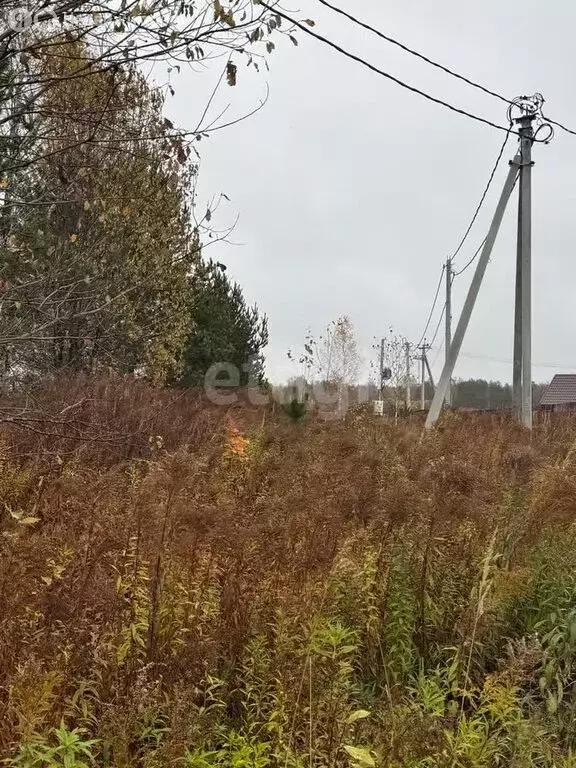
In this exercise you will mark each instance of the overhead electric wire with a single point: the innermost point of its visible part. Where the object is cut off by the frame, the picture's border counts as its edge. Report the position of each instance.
(482, 200)
(437, 355)
(472, 260)
(492, 359)
(439, 324)
(387, 75)
(433, 305)
(461, 244)
(559, 125)
(432, 62)
(412, 52)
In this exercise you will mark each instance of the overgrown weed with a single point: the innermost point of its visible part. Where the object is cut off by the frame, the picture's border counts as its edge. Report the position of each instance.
(259, 594)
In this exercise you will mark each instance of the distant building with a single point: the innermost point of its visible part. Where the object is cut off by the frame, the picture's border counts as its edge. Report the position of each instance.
(560, 395)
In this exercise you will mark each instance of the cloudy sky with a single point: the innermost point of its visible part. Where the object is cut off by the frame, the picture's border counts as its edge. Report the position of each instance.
(350, 192)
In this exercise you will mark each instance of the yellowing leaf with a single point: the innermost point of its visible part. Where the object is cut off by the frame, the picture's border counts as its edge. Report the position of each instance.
(361, 755)
(126, 211)
(73, 238)
(29, 520)
(360, 714)
(4, 183)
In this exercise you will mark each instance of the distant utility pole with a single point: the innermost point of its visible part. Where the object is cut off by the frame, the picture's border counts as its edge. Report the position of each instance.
(424, 360)
(382, 345)
(530, 110)
(408, 396)
(448, 318)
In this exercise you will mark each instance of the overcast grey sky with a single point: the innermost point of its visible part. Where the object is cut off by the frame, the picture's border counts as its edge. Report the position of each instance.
(351, 192)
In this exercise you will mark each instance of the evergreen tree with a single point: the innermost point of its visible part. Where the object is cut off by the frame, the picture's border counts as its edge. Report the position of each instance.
(224, 329)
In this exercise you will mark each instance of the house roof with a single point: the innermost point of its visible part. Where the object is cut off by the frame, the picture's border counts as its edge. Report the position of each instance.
(562, 389)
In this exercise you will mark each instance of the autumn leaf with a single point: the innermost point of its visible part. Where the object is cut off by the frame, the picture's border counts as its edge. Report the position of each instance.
(4, 183)
(73, 238)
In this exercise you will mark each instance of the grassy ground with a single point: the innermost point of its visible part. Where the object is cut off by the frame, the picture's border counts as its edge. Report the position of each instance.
(190, 586)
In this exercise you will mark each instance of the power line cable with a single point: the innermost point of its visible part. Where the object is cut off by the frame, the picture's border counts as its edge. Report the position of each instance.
(508, 360)
(443, 68)
(559, 125)
(472, 260)
(437, 355)
(482, 244)
(382, 73)
(412, 52)
(466, 234)
(433, 305)
(461, 244)
(482, 199)
(439, 324)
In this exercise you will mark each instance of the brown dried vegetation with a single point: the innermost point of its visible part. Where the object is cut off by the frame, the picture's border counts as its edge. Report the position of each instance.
(187, 584)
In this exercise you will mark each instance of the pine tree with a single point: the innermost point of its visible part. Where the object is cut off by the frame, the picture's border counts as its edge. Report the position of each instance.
(225, 329)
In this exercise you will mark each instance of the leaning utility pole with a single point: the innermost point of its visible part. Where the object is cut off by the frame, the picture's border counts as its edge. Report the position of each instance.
(407, 351)
(530, 110)
(462, 326)
(448, 319)
(429, 371)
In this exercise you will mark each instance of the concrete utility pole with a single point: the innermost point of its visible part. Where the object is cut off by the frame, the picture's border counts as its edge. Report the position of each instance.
(517, 359)
(382, 345)
(448, 318)
(530, 108)
(408, 395)
(522, 380)
(522, 367)
(423, 359)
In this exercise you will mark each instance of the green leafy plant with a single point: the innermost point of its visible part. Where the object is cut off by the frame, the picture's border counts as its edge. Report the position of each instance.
(65, 749)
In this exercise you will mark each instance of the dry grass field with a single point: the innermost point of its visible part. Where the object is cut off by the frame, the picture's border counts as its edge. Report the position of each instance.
(187, 585)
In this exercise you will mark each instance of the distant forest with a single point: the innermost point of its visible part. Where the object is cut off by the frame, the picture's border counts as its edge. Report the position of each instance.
(481, 394)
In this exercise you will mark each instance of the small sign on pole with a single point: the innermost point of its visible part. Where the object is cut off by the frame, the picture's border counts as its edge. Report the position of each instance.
(378, 407)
